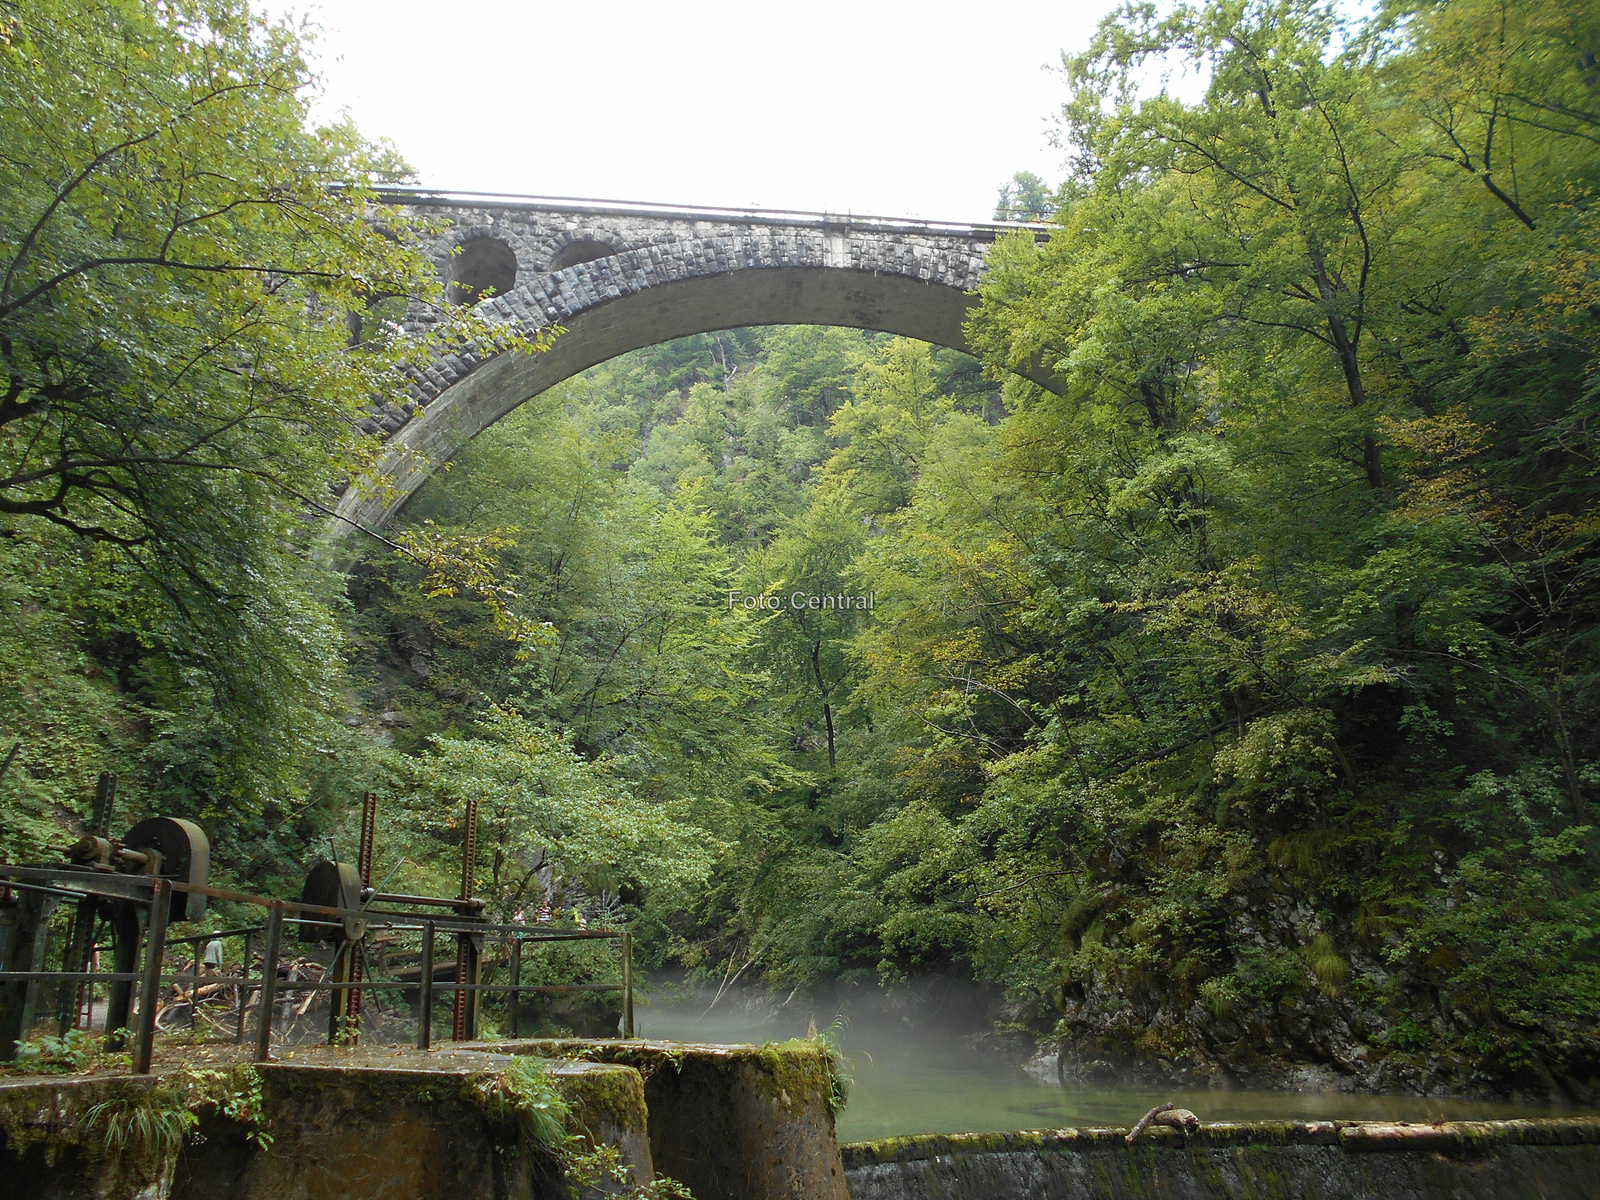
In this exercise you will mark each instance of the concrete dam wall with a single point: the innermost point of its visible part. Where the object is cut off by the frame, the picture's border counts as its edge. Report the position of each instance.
(731, 1122)
(1324, 1160)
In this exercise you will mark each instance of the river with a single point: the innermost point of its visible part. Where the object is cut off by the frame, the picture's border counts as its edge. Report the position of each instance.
(921, 1074)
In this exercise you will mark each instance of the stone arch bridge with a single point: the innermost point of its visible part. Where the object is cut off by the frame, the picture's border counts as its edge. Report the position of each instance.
(622, 276)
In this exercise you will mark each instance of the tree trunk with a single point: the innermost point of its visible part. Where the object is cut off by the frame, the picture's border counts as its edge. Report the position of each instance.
(1344, 345)
(826, 690)
(1372, 460)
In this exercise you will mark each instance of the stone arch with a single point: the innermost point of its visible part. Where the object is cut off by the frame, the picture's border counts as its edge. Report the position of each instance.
(580, 250)
(611, 306)
(481, 266)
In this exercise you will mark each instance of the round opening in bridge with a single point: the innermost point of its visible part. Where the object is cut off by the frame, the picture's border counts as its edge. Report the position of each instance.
(574, 253)
(483, 267)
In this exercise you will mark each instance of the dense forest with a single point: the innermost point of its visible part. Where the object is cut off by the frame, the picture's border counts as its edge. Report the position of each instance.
(1230, 711)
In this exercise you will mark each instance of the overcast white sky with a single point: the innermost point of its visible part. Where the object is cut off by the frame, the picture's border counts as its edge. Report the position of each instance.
(874, 106)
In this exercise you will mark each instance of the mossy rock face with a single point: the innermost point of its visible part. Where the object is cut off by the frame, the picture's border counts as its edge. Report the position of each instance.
(730, 1122)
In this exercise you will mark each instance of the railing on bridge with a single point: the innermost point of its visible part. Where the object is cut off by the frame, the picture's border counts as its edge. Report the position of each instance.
(419, 195)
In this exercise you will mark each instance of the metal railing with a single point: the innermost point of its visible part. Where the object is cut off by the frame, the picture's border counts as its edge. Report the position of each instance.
(156, 895)
(418, 194)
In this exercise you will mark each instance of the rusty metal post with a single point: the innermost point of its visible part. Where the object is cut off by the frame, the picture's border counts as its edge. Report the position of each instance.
(425, 984)
(269, 980)
(352, 1007)
(125, 933)
(470, 952)
(515, 1023)
(105, 797)
(194, 996)
(369, 828)
(80, 948)
(155, 949)
(466, 1003)
(340, 1018)
(242, 989)
(76, 956)
(627, 984)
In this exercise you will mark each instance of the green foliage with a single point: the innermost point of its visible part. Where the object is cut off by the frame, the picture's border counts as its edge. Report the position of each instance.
(1025, 197)
(235, 1093)
(1408, 1037)
(542, 802)
(181, 254)
(73, 1053)
(524, 1100)
(471, 565)
(1323, 959)
(1274, 615)
(840, 1079)
(1249, 678)
(179, 250)
(63, 710)
(525, 1103)
(145, 1132)
(1256, 669)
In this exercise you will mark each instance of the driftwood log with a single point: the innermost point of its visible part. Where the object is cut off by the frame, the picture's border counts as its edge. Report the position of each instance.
(1167, 1114)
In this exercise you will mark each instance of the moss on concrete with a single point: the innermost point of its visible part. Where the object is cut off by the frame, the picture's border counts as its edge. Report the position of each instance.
(93, 1136)
(1267, 1160)
(1350, 1135)
(799, 1069)
(731, 1122)
(289, 1130)
(805, 1069)
(606, 1095)
(48, 1113)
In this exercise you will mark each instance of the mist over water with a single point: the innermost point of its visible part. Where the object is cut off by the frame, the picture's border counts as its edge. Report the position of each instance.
(924, 1060)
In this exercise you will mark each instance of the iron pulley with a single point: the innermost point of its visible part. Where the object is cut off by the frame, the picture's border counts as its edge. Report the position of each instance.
(333, 885)
(174, 849)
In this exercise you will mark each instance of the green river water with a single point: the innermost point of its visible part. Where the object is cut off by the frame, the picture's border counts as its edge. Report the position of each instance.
(911, 1078)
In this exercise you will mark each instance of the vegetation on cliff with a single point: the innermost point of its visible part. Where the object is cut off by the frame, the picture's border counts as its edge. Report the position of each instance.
(182, 260)
(1233, 708)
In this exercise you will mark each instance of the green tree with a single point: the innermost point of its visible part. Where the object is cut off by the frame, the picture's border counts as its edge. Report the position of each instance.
(1025, 197)
(1280, 535)
(807, 572)
(541, 804)
(180, 252)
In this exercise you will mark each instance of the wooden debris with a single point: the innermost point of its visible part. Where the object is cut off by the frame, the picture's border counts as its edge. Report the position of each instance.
(1167, 1114)
(1178, 1118)
(1145, 1120)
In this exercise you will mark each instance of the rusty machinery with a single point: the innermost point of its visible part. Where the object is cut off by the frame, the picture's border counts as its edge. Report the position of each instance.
(96, 878)
(469, 946)
(158, 871)
(346, 886)
(358, 967)
(336, 885)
